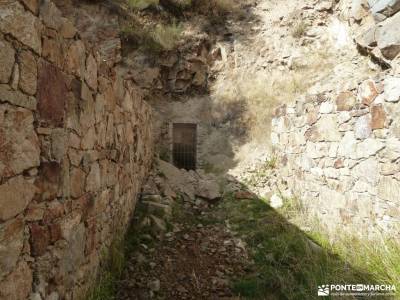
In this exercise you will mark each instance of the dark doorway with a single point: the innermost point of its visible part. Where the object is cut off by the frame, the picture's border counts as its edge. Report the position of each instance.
(184, 146)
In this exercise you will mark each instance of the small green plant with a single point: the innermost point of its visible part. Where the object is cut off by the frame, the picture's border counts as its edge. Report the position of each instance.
(271, 162)
(299, 29)
(116, 256)
(106, 284)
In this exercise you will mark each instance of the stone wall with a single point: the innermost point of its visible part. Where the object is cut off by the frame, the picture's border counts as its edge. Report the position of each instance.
(340, 154)
(75, 145)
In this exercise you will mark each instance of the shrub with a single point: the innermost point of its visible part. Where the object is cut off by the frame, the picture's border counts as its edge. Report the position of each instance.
(142, 4)
(156, 39)
(167, 36)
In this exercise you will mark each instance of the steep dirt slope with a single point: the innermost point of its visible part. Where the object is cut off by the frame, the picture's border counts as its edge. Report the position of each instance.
(297, 49)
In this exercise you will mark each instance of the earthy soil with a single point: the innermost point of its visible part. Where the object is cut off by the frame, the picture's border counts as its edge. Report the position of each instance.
(198, 259)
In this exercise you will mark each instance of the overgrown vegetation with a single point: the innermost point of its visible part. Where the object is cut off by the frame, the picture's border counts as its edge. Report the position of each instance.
(263, 171)
(289, 264)
(162, 37)
(116, 258)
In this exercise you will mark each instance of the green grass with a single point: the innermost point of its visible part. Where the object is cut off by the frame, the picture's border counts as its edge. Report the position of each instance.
(106, 284)
(116, 257)
(289, 264)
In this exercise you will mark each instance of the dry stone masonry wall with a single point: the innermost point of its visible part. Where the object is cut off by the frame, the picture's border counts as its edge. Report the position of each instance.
(341, 155)
(75, 145)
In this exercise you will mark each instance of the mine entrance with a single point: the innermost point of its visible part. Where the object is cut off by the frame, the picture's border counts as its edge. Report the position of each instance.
(184, 145)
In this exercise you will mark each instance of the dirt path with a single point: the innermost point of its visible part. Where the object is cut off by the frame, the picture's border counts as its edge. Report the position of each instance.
(198, 259)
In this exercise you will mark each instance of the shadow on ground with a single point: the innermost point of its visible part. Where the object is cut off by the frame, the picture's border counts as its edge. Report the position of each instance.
(237, 248)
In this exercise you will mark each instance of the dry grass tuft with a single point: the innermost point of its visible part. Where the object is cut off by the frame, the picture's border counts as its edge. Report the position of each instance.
(261, 92)
(162, 37)
(142, 4)
(299, 29)
(167, 36)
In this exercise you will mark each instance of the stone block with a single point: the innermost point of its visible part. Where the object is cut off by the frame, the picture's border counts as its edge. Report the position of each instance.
(52, 94)
(48, 181)
(7, 58)
(15, 195)
(32, 5)
(91, 72)
(389, 189)
(367, 92)
(39, 238)
(388, 37)
(392, 89)
(326, 129)
(378, 117)
(76, 58)
(77, 182)
(93, 181)
(18, 284)
(19, 148)
(7, 94)
(53, 50)
(21, 24)
(50, 15)
(362, 127)
(345, 101)
(11, 243)
(28, 72)
(368, 147)
(367, 170)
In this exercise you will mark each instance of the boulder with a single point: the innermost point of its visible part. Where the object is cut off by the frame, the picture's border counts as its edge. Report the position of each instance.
(386, 8)
(366, 39)
(177, 179)
(388, 37)
(208, 189)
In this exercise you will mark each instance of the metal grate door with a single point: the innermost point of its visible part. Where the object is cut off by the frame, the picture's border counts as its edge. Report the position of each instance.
(184, 146)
